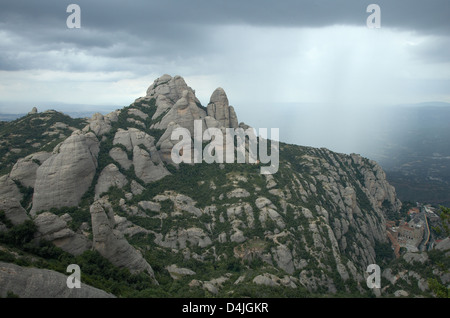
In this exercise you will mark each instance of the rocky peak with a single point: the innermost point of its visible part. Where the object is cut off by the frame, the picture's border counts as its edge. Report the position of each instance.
(33, 111)
(171, 88)
(219, 97)
(220, 109)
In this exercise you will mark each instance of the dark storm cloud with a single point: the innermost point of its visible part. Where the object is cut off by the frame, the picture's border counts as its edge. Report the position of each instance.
(144, 16)
(139, 30)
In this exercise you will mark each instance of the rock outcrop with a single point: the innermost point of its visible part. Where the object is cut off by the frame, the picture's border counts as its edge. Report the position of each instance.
(183, 112)
(219, 109)
(28, 282)
(100, 124)
(109, 177)
(24, 170)
(147, 162)
(111, 243)
(63, 178)
(14, 212)
(53, 228)
(9, 189)
(33, 111)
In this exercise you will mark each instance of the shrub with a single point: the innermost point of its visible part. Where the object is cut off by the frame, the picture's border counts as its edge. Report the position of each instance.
(18, 235)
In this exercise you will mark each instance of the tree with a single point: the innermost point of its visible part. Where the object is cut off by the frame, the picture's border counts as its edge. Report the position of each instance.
(440, 290)
(445, 218)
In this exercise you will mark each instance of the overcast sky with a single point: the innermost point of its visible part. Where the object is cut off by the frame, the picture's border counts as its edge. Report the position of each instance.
(291, 54)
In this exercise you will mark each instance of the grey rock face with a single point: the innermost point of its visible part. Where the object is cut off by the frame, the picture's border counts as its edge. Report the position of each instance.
(64, 177)
(121, 157)
(53, 228)
(29, 282)
(415, 257)
(24, 170)
(9, 190)
(183, 112)
(109, 177)
(133, 137)
(13, 211)
(138, 113)
(219, 109)
(99, 124)
(178, 238)
(170, 87)
(176, 102)
(111, 243)
(148, 165)
(147, 162)
(443, 245)
(177, 272)
(283, 258)
(165, 143)
(272, 280)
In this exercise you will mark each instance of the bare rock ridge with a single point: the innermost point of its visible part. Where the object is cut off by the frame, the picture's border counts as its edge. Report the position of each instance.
(177, 106)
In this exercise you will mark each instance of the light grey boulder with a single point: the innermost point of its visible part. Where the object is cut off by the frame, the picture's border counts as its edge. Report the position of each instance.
(238, 193)
(53, 228)
(138, 113)
(411, 257)
(165, 142)
(109, 177)
(111, 243)
(99, 124)
(211, 122)
(443, 245)
(9, 189)
(183, 112)
(13, 211)
(28, 282)
(136, 122)
(128, 228)
(64, 177)
(178, 238)
(148, 166)
(266, 279)
(149, 205)
(283, 257)
(177, 272)
(113, 116)
(121, 157)
(24, 170)
(147, 162)
(133, 137)
(185, 203)
(136, 188)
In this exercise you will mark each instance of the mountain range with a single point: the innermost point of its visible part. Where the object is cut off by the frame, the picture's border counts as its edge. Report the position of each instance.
(104, 193)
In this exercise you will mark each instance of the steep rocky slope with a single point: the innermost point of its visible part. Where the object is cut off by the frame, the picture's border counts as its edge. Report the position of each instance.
(222, 229)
